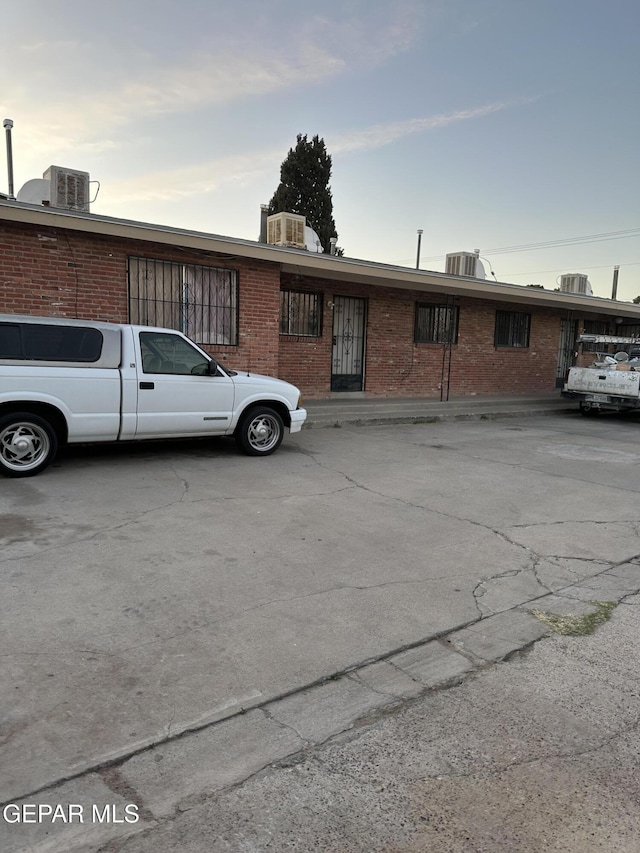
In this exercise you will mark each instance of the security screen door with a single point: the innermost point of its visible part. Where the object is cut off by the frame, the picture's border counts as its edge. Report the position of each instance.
(347, 358)
(568, 331)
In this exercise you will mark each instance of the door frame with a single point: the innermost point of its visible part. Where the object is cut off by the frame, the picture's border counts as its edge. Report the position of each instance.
(356, 379)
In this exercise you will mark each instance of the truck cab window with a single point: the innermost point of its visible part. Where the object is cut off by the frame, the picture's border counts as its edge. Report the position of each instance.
(167, 353)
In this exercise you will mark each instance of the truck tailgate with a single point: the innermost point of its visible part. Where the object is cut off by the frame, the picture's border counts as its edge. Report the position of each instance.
(590, 380)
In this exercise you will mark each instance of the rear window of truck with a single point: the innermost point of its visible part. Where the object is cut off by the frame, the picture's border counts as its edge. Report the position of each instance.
(40, 342)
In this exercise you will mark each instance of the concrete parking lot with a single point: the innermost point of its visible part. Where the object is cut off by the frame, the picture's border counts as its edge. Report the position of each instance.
(153, 590)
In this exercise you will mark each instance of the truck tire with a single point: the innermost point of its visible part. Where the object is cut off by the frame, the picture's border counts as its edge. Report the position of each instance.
(260, 431)
(28, 444)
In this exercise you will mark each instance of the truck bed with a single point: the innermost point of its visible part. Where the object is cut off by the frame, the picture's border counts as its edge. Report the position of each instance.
(593, 380)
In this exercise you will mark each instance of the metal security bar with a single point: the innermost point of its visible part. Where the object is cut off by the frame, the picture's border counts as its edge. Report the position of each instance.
(512, 329)
(436, 324)
(347, 354)
(300, 314)
(200, 301)
(566, 349)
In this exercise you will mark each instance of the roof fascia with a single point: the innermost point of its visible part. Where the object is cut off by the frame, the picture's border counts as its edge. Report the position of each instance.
(330, 267)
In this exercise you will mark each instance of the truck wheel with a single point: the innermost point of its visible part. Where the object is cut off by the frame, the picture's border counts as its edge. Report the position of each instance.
(28, 444)
(588, 410)
(260, 431)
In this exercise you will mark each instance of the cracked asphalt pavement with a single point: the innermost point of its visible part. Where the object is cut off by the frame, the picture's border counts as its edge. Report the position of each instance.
(166, 604)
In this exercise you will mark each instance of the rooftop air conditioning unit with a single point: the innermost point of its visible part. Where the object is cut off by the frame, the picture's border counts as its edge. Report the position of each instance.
(462, 263)
(69, 188)
(286, 229)
(575, 283)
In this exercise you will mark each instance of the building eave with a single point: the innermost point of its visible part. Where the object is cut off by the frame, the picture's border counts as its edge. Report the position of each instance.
(328, 267)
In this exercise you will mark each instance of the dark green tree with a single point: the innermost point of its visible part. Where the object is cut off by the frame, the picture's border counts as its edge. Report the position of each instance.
(304, 187)
(636, 300)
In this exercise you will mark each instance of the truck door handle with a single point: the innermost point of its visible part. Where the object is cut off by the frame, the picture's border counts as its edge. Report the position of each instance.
(147, 386)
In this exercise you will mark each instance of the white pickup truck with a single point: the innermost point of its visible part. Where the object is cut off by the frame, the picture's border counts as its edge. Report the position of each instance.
(613, 386)
(75, 381)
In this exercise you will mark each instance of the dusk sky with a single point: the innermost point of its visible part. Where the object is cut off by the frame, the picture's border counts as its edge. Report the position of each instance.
(490, 124)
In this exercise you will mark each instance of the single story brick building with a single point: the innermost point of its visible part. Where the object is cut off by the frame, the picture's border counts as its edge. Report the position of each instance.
(331, 325)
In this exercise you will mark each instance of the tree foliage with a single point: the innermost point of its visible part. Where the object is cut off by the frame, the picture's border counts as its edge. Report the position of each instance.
(304, 187)
(636, 300)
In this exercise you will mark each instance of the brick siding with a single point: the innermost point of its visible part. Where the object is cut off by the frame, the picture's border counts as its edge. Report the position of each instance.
(54, 272)
(59, 273)
(395, 366)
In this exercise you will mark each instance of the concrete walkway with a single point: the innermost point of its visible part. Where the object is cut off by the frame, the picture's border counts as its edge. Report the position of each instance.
(339, 410)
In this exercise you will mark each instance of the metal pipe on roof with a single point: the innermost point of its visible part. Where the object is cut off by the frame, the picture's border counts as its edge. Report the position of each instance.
(8, 124)
(264, 213)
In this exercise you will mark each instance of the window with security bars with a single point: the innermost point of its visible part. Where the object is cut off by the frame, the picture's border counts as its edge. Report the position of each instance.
(624, 330)
(512, 329)
(436, 324)
(202, 302)
(300, 314)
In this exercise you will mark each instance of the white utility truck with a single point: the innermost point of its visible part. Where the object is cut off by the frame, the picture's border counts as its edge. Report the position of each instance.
(612, 383)
(75, 381)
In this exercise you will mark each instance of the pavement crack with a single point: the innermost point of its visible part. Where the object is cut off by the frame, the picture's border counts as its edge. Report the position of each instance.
(172, 718)
(426, 508)
(355, 677)
(287, 726)
(406, 672)
(548, 756)
(184, 483)
(477, 592)
(36, 555)
(534, 568)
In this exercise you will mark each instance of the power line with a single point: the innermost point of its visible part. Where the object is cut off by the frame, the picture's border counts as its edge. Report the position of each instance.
(562, 269)
(549, 244)
(594, 238)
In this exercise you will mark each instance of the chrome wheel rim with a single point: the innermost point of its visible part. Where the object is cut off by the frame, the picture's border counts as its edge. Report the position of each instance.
(263, 432)
(23, 446)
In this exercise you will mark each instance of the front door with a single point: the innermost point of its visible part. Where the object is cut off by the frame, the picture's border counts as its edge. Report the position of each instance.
(347, 356)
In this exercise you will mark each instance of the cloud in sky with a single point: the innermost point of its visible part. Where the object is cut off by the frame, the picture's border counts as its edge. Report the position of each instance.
(190, 181)
(62, 120)
(79, 91)
(384, 134)
(196, 102)
(210, 176)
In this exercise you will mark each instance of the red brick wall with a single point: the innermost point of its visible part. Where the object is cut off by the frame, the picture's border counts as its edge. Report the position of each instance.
(480, 367)
(59, 273)
(397, 367)
(49, 271)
